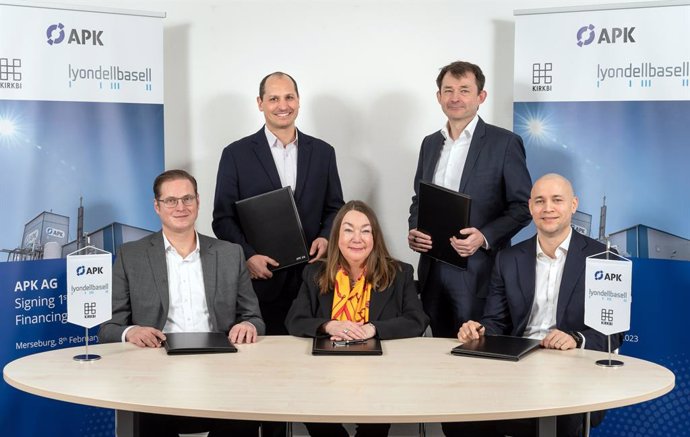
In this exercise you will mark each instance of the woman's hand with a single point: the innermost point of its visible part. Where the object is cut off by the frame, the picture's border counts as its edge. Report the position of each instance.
(346, 330)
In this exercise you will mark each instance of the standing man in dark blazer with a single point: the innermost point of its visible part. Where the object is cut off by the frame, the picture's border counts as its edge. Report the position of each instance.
(276, 156)
(178, 280)
(488, 164)
(538, 290)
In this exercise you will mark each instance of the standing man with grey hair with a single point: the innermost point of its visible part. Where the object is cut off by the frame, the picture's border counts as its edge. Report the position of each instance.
(488, 164)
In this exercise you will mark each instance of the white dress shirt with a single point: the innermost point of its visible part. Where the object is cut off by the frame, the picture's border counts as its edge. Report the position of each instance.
(549, 272)
(453, 156)
(285, 157)
(188, 310)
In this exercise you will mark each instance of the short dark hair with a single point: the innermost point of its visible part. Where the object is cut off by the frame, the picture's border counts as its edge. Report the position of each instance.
(262, 85)
(171, 175)
(459, 69)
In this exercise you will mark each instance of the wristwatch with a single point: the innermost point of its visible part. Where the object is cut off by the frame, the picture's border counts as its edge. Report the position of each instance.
(579, 339)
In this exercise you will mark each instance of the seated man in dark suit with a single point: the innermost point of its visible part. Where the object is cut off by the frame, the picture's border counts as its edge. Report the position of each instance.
(537, 290)
(177, 280)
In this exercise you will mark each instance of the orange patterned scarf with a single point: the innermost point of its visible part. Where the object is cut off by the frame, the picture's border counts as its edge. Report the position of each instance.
(351, 304)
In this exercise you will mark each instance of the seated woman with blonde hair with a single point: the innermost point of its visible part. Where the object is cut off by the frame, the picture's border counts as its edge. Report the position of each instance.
(359, 292)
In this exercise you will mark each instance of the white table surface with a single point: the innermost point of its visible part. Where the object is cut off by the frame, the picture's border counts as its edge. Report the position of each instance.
(277, 379)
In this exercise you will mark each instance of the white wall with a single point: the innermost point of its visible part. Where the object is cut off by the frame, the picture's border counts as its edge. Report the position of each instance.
(366, 71)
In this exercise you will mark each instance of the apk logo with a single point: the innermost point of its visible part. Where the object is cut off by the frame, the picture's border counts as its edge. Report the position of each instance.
(56, 34)
(82, 270)
(599, 275)
(587, 34)
(54, 232)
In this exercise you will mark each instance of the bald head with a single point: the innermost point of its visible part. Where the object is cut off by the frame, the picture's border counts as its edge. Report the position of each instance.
(553, 178)
(552, 204)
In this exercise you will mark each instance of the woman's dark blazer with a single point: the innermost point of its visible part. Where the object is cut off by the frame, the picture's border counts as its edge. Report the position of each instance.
(396, 312)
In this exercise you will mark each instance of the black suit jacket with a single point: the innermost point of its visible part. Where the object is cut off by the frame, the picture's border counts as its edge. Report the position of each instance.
(495, 176)
(396, 312)
(247, 169)
(511, 294)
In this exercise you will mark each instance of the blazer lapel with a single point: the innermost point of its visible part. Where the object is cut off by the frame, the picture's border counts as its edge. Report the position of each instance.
(432, 160)
(304, 149)
(526, 272)
(263, 153)
(209, 265)
(572, 270)
(475, 148)
(325, 304)
(378, 302)
(159, 268)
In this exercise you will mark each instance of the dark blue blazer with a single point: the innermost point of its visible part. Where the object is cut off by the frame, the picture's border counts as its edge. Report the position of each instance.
(511, 293)
(247, 169)
(496, 177)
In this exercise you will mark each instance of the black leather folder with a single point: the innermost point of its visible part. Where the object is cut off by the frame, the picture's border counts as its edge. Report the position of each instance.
(499, 347)
(271, 225)
(441, 214)
(180, 343)
(326, 346)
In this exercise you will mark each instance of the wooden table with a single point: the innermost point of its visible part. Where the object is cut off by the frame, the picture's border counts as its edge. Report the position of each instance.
(277, 379)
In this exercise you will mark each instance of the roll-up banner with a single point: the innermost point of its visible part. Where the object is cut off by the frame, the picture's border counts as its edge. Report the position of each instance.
(602, 96)
(81, 140)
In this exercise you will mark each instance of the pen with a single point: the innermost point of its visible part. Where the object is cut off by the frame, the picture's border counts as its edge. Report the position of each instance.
(347, 342)
(479, 328)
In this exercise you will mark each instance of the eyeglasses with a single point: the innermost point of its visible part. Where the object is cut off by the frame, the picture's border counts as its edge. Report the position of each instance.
(171, 202)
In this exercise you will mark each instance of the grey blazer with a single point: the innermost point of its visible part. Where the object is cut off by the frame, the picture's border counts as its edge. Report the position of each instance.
(140, 287)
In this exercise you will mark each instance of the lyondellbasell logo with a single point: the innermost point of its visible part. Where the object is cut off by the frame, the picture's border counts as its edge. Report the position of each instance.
(606, 35)
(57, 32)
(542, 79)
(10, 73)
(114, 75)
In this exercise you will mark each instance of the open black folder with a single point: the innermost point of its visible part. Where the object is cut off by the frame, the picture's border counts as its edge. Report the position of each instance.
(442, 213)
(326, 346)
(271, 225)
(179, 343)
(500, 347)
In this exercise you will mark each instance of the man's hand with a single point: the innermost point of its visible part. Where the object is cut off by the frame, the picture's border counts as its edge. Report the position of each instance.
(318, 250)
(468, 245)
(243, 332)
(145, 336)
(559, 340)
(258, 266)
(418, 241)
(470, 330)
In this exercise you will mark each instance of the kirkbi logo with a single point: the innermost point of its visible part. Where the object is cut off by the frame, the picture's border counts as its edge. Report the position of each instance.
(11, 70)
(56, 34)
(587, 34)
(607, 316)
(81, 270)
(599, 275)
